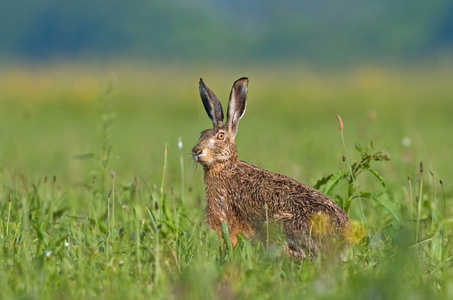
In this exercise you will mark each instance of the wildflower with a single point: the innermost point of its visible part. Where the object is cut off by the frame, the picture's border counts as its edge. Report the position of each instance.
(406, 141)
(179, 143)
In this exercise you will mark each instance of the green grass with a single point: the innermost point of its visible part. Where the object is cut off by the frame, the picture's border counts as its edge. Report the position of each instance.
(70, 228)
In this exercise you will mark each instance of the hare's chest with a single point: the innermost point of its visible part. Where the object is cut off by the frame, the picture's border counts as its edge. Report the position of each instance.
(221, 205)
(217, 206)
(220, 209)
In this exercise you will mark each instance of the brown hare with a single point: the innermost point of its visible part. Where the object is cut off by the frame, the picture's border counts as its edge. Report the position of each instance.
(249, 198)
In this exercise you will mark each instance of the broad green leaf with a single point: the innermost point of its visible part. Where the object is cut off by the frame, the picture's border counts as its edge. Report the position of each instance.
(332, 182)
(322, 181)
(102, 227)
(392, 207)
(172, 226)
(340, 201)
(226, 238)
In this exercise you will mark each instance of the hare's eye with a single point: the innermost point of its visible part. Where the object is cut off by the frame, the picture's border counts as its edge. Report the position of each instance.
(221, 136)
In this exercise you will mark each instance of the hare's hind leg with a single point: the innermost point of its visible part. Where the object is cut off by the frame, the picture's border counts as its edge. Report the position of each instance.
(300, 243)
(302, 246)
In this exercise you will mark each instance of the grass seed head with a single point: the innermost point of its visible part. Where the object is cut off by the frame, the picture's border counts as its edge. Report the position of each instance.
(340, 122)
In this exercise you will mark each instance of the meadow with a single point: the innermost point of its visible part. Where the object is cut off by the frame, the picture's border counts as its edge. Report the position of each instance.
(100, 198)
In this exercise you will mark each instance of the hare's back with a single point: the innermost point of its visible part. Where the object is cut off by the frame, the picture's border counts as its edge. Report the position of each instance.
(286, 195)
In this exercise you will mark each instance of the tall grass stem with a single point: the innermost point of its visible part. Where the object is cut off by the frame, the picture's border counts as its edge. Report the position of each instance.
(267, 226)
(443, 198)
(162, 194)
(419, 206)
(108, 223)
(411, 198)
(137, 241)
(113, 173)
(181, 162)
(9, 215)
(434, 199)
(93, 190)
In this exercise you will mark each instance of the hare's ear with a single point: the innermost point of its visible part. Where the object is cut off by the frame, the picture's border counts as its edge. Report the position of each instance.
(211, 104)
(237, 104)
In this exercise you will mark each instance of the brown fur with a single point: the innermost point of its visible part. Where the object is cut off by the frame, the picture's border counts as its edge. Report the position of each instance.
(242, 194)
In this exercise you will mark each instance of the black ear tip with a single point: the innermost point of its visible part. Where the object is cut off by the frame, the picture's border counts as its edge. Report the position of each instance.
(201, 82)
(242, 80)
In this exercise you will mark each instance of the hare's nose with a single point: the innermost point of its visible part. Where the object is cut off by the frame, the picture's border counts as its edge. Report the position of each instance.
(196, 152)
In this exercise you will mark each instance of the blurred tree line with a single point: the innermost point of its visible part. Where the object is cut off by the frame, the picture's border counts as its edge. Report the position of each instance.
(257, 30)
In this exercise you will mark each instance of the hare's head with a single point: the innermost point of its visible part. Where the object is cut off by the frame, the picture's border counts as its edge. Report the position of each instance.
(217, 144)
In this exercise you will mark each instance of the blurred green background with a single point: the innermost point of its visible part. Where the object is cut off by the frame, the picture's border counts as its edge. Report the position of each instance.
(330, 31)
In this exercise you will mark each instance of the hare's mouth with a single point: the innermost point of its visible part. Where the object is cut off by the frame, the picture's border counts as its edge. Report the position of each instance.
(202, 158)
(196, 157)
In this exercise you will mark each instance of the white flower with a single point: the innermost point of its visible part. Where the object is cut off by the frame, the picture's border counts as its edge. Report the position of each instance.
(406, 141)
(47, 253)
(179, 143)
